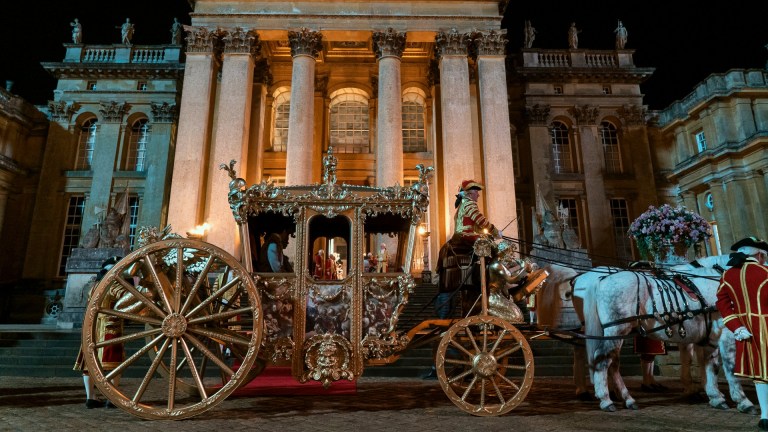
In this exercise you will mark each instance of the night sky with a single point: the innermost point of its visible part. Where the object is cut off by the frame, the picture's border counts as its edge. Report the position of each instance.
(685, 44)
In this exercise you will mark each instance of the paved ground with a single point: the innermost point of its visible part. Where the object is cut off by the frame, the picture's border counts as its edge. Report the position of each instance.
(381, 404)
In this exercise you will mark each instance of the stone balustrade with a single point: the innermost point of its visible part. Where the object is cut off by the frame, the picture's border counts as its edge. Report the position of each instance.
(136, 54)
(544, 58)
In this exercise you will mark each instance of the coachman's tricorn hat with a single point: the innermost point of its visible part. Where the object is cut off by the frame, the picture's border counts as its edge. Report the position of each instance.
(751, 242)
(466, 185)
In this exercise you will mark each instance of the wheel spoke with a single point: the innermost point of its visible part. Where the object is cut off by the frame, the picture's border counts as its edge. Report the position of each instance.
(161, 286)
(123, 339)
(132, 317)
(218, 293)
(193, 369)
(179, 279)
(510, 351)
(172, 375)
(137, 355)
(220, 336)
(508, 381)
(457, 345)
(150, 372)
(471, 338)
(221, 316)
(142, 298)
(208, 353)
(202, 277)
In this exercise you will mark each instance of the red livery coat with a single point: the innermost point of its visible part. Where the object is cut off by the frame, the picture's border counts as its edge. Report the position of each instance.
(742, 299)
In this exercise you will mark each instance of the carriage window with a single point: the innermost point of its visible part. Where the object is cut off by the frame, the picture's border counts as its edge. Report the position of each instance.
(329, 240)
(270, 234)
(385, 243)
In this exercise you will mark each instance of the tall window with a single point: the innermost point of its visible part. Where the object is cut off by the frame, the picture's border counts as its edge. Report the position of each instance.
(414, 138)
(620, 217)
(571, 214)
(86, 142)
(701, 142)
(72, 230)
(562, 158)
(349, 128)
(281, 108)
(133, 217)
(609, 136)
(136, 153)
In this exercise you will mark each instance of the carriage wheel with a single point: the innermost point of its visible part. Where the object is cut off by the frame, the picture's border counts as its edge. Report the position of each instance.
(485, 365)
(157, 323)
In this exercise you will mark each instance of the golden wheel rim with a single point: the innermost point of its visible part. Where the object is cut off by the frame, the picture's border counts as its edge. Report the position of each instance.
(190, 329)
(485, 365)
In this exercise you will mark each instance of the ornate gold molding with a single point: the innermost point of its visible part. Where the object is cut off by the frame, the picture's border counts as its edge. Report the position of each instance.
(388, 43)
(305, 42)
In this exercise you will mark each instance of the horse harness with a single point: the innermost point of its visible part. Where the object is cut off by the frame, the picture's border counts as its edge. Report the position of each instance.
(673, 290)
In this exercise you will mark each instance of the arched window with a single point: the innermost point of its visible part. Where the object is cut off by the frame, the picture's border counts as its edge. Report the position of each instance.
(349, 129)
(86, 142)
(414, 138)
(136, 150)
(281, 108)
(609, 136)
(562, 156)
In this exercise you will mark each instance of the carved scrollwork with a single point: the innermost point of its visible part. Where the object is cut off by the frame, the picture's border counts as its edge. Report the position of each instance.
(490, 43)
(305, 42)
(327, 359)
(537, 114)
(200, 39)
(112, 112)
(585, 114)
(163, 113)
(451, 43)
(379, 347)
(633, 114)
(61, 110)
(241, 41)
(388, 43)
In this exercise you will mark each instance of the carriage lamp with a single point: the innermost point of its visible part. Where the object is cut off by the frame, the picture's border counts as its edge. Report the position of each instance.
(426, 274)
(198, 233)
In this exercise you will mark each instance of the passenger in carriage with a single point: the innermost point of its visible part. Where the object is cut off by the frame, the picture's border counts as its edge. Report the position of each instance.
(318, 260)
(271, 257)
(469, 221)
(742, 301)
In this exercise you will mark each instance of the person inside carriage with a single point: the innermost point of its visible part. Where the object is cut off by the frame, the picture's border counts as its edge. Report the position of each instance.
(271, 257)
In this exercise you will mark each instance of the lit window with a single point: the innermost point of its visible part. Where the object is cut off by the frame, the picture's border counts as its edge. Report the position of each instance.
(86, 142)
(558, 90)
(611, 151)
(141, 86)
(91, 85)
(72, 230)
(133, 217)
(620, 218)
(349, 125)
(281, 108)
(701, 142)
(414, 138)
(136, 153)
(561, 148)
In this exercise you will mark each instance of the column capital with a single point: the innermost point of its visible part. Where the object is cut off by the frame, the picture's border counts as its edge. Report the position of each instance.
(112, 112)
(241, 41)
(632, 114)
(537, 114)
(201, 39)
(388, 43)
(163, 112)
(490, 43)
(305, 42)
(451, 43)
(585, 114)
(61, 110)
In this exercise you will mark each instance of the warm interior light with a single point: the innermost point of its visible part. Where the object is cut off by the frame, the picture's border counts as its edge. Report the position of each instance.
(421, 230)
(199, 231)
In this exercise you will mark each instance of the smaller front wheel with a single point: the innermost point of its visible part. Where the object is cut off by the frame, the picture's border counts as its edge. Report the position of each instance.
(485, 365)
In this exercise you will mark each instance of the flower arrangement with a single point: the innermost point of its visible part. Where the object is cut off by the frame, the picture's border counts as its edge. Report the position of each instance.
(658, 228)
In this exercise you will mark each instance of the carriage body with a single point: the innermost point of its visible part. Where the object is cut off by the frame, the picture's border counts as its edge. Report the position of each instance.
(328, 328)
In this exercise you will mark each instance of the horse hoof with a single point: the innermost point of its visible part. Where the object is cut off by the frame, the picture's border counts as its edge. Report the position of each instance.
(609, 408)
(752, 410)
(585, 397)
(721, 406)
(632, 406)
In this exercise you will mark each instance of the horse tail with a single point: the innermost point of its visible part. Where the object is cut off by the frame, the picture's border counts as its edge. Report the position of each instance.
(549, 299)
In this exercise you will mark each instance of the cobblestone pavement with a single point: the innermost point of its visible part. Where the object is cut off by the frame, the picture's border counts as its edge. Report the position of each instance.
(381, 404)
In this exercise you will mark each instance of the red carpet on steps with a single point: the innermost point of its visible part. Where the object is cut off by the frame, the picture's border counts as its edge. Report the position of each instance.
(278, 381)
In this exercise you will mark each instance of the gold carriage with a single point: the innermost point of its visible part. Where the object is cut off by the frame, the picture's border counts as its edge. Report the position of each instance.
(179, 324)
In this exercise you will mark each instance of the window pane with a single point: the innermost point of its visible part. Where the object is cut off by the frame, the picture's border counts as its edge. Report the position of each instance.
(413, 127)
(72, 230)
(620, 216)
(280, 129)
(136, 153)
(610, 139)
(561, 149)
(349, 128)
(85, 145)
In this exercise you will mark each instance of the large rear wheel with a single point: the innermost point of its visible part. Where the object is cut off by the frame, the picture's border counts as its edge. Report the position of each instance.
(172, 329)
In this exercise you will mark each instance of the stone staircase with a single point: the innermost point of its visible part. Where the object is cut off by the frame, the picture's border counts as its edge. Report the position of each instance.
(44, 351)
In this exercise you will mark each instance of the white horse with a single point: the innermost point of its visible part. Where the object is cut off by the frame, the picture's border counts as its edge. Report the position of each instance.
(558, 288)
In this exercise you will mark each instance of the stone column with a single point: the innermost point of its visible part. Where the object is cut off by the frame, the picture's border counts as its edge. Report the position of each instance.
(103, 162)
(158, 165)
(305, 46)
(231, 135)
(190, 166)
(497, 141)
(389, 47)
(458, 159)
